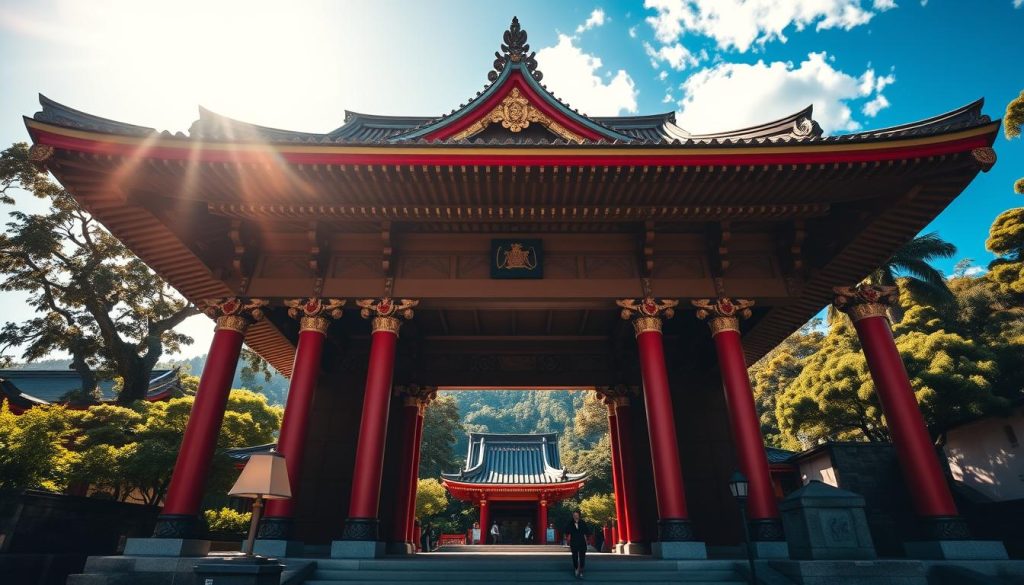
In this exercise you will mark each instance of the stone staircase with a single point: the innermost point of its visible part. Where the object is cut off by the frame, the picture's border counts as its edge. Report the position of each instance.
(498, 568)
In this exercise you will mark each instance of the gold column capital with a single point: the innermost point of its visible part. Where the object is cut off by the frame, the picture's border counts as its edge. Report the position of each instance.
(233, 313)
(723, 313)
(616, 396)
(416, 395)
(865, 300)
(386, 313)
(314, 314)
(647, 313)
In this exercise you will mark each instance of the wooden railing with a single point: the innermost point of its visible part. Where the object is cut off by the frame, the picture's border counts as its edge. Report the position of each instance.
(452, 539)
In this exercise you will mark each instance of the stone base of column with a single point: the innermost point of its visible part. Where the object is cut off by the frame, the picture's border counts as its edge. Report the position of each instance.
(959, 550)
(401, 548)
(635, 548)
(175, 526)
(280, 548)
(357, 549)
(675, 530)
(766, 530)
(275, 528)
(360, 529)
(770, 549)
(679, 550)
(166, 547)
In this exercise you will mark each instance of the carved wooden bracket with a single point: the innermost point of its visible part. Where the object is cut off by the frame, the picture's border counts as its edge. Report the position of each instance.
(648, 248)
(245, 242)
(386, 249)
(791, 248)
(719, 236)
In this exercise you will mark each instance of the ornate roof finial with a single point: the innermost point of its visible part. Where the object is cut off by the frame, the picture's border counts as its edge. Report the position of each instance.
(515, 49)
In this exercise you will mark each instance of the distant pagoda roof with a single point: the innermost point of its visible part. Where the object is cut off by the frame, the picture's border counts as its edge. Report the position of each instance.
(500, 459)
(23, 389)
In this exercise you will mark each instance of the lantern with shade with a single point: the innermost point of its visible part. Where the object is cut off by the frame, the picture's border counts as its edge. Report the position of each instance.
(265, 476)
(740, 487)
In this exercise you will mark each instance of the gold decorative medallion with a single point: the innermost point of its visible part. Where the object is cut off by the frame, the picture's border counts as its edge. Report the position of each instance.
(40, 153)
(386, 313)
(647, 313)
(314, 314)
(415, 395)
(865, 300)
(985, 157)
(234, 313)
(515, 113)
(724, 313)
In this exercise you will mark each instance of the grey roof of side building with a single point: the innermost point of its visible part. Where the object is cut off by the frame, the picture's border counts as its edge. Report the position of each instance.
(513, 459)
(648, 130)
(50, 386)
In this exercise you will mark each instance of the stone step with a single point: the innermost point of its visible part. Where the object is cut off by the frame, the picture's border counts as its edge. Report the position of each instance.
(510, 579)
(532, 576)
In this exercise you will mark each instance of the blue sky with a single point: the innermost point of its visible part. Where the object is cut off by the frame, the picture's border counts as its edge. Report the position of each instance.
(720, 64)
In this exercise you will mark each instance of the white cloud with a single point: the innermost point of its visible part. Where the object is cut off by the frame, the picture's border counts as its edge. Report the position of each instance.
(667, 99)
(632, 32)
(676, 55)
(573, 76)
(1018, 3)
(736, 95)
(976, 270)
(663, 75)
(876, 105)
(924, 2)
(741, 23)
(597, 18)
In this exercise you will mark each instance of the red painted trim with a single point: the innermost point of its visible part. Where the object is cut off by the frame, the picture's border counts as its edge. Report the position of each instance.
(547, 157)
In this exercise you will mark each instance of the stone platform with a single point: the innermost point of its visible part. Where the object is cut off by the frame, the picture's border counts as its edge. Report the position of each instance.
(512, 565)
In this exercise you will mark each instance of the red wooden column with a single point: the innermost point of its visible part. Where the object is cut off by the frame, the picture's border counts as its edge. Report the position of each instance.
(485, 526)
(620, 503)
(181, 506)
(634, 534)
(409, 421)
(387, 315)
(414, 400)
(723, 317)
(646, 315)
(542, 521)
(867, 307)
(430, 394)
(314, 317)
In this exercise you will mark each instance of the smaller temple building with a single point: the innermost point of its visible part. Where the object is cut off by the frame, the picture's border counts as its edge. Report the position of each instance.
(512, 480)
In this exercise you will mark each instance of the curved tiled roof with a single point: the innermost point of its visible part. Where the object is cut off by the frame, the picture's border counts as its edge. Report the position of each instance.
(26, 388)
(513, 459)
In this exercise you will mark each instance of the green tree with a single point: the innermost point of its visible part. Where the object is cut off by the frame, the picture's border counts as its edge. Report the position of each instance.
(431, 499)
(94, 299)
(442, 426)
(598, 509)
(33, 448)
(1006, 240)
(777, 370)
(1012, 122)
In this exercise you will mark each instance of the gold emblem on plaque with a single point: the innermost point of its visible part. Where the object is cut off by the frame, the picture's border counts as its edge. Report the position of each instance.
(516, 258)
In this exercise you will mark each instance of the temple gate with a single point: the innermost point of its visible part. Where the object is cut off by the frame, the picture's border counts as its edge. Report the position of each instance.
(518, 242)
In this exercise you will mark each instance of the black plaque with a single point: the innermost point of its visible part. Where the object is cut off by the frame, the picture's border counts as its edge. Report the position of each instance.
(517, 258)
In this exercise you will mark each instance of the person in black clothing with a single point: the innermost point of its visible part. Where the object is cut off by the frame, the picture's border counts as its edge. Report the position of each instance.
(577, 531)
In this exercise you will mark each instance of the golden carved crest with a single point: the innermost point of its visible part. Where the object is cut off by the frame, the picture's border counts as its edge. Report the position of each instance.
(516, 257)
(314, 313)
(234, 313)
(723, 313)
(386, 312)
(515, 112)
(647, 313)
(865, 300)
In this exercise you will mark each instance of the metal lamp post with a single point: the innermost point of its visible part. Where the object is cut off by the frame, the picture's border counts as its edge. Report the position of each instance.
(265, 476)
(739, 487)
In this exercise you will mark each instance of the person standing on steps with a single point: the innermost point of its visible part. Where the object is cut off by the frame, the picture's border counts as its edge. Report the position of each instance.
(495, 533)
(528, 534)
(576, 531)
